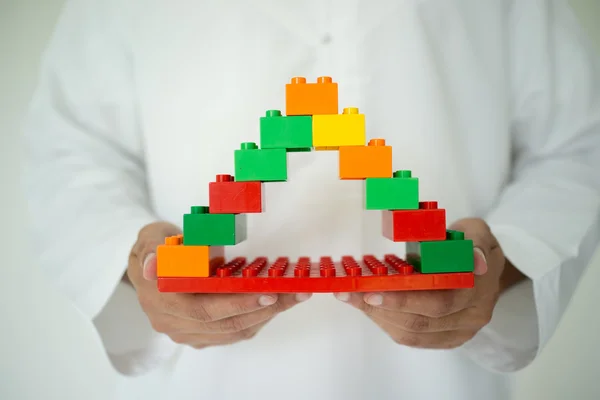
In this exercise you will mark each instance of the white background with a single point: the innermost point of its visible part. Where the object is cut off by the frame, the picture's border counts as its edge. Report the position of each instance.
(47, 349)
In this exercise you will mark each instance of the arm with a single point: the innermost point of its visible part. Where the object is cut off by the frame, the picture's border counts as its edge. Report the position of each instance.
(85, 176)
(90, 209)
(547, 219)
(544, 227)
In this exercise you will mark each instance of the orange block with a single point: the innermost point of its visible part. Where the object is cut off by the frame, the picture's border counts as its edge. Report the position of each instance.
(176, 260)
(319, 98)
(361, 162)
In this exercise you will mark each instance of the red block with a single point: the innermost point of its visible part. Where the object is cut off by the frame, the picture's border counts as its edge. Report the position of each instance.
(228, 197)
(428, 223)
(326, 276)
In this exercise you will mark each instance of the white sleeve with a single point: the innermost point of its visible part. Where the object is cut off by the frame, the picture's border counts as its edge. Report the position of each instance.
(547, 218)
(85, 178)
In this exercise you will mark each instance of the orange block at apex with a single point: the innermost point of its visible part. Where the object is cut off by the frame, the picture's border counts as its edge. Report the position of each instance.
(319, 98)
(361, 162)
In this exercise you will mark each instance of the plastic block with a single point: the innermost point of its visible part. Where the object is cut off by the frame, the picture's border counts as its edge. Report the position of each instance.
(176, 260)
(401, 192)
(203, 229)
(332, 131)
(303, 98)
(290, 133)
(229, 197)
(455, 254)
(361, 162)
(349, 275)
(254, 164)
(426, 223)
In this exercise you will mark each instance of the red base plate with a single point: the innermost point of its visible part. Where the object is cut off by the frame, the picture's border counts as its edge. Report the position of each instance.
(369, 275)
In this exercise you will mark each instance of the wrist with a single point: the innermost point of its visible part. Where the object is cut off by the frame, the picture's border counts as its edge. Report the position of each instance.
(511, 275)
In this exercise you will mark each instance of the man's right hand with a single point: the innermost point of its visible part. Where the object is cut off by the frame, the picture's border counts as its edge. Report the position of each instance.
(198, 320)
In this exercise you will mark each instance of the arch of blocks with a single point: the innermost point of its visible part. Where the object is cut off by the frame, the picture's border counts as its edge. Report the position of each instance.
(195, 262)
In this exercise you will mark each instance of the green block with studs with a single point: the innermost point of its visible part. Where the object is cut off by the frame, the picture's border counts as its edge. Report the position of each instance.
(455, 254)
(291, 133)
(203, 229)
(265, 165)
(401, 192)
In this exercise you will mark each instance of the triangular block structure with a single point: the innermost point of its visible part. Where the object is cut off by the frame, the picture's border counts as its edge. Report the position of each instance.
(195, 262)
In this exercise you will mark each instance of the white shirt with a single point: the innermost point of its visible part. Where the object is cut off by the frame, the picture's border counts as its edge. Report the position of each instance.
(494, 105)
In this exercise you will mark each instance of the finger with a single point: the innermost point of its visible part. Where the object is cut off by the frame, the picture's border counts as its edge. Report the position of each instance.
(207, 339)
(174, 325)
(215, 307)
(480, 261)
(484, 242)
(426, 340)
(144, 251)
(434, 304)
(149, 267)
(170, 324)
(469, 318)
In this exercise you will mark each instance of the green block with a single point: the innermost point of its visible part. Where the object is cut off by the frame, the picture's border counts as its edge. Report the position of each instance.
(265, 165)
(401, 192)
(455, 254)
(291, 133)
(203, 229)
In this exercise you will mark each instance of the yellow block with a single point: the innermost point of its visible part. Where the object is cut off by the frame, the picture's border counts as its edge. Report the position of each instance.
(176, 260)
(332, 131)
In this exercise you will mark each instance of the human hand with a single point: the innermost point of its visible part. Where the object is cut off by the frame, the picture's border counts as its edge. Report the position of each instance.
(441, 319)
(197, 320)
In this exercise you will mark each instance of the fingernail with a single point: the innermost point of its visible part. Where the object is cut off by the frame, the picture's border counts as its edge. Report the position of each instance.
(147, 260)
(342, 296)
(300, 297)
(479, 251)
(149, 268)
(267, 300)
(480, 269)
(374, 299)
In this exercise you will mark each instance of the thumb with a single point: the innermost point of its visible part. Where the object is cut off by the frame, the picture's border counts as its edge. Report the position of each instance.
(149, 267)
(480, 260)
(479, 232)
(150, 237)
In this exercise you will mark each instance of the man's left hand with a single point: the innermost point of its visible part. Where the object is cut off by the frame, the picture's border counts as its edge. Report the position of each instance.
(441, 319)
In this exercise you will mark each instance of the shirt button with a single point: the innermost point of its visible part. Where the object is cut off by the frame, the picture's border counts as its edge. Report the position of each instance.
(326, 39)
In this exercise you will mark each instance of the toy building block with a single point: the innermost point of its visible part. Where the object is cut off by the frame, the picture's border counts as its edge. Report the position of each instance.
(401, 192)
(330, 132)
(425, 224)
(361, 162)
(254, 164)
(455, 254)
(350, 275)
(303, 98)
(229, 197)
(203, 229)
(290, 133)
(194, 262)
(178, 261)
